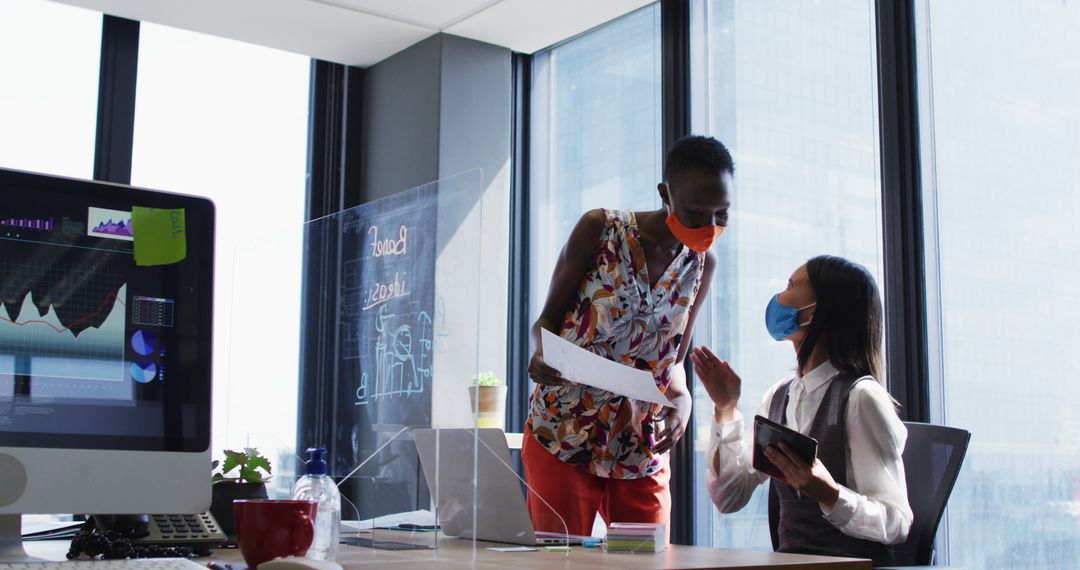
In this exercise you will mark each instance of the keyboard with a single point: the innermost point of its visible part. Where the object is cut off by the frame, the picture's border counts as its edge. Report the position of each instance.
(132, 564)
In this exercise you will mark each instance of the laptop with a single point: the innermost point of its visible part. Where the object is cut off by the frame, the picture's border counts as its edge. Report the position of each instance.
(447, 459)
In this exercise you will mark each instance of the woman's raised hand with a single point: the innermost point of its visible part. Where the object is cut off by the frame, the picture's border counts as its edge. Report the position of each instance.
(720, 381)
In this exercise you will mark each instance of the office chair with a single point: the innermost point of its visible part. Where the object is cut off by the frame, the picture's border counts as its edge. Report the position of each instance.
(932, 459)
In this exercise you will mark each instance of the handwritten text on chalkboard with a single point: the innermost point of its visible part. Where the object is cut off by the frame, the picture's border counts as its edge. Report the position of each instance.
(388, 300)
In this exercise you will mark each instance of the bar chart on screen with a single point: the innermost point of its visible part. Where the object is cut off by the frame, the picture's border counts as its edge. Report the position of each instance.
(44, 224)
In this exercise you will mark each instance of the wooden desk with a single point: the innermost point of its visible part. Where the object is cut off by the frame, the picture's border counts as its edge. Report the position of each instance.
(454, 552)
(457, 552)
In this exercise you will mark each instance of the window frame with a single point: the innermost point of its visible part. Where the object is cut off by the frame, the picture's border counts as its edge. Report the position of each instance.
(114, 143)
(902, 209)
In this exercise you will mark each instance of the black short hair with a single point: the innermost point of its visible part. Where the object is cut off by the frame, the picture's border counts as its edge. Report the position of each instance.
(697, 153)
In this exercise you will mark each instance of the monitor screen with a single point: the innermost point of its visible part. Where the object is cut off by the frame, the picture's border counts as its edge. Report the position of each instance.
(98, 351)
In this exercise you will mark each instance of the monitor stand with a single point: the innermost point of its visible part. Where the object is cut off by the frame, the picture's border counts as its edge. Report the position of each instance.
(11, 545)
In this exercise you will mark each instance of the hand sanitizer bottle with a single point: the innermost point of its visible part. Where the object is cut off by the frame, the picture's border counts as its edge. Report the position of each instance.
(316, 486)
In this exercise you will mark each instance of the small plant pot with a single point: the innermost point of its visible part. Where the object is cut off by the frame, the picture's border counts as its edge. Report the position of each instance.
(492, 403)
(221, 505)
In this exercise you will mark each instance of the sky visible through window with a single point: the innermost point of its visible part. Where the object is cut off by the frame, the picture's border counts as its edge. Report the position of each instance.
(228, 120)
(49, 60)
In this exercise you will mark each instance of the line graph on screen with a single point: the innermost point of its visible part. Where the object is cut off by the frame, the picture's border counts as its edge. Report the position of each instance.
(42, 345)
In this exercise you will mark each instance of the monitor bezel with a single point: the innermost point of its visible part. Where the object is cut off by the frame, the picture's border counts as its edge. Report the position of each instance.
(200, 214)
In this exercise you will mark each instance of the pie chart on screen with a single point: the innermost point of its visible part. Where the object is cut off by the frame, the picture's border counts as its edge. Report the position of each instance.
(144, 342)
(143, 371)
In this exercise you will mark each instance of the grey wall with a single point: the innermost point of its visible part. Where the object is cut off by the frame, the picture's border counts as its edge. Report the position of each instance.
(475, 122)
(475, 108)
(437, 108)
(400, 142)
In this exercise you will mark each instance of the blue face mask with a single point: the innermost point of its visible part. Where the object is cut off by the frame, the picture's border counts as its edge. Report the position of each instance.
(782, 320)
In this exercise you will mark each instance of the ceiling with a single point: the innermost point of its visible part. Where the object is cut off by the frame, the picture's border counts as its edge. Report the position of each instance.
(364, 32)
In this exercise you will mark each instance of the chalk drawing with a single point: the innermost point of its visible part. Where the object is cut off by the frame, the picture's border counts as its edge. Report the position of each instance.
(402, 359)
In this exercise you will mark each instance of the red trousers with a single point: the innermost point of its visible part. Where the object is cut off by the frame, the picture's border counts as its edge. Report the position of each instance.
(578, 495)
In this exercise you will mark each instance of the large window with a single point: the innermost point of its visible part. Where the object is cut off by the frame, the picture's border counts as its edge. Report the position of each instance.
(228, 120)
(596, 134)
(790, 88)
(49, 59)
(1000, 133)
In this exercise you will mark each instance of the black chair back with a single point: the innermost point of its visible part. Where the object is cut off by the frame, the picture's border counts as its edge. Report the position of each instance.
(932, 459)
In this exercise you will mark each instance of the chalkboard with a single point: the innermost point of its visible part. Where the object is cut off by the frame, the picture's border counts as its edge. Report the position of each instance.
(387, 288)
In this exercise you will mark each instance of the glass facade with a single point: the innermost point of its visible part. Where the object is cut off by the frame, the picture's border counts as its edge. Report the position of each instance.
(1000, 132)
(789, 87)
(228, 120)
(596, 134)
(49, 60)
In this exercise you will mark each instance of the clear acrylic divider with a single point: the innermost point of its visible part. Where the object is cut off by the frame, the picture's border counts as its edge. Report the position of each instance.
(502, 468)
(489, 503)
(393, 345)
(401, 341)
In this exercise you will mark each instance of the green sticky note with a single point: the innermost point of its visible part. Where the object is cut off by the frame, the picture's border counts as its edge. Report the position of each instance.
(160, 235)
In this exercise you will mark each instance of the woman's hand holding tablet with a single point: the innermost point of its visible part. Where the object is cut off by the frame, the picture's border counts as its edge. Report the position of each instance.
(769, 433)
(790, 456)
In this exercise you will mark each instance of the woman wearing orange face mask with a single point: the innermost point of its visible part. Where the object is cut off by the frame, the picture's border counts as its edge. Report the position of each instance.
(625, 286)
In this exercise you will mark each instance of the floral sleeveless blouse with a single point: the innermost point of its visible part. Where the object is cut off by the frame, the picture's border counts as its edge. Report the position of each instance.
(617, 315)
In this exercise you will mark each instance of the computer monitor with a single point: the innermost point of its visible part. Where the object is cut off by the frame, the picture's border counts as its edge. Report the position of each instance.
(105, 369)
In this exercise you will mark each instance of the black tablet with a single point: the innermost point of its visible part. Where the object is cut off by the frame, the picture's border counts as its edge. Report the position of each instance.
(768, 432)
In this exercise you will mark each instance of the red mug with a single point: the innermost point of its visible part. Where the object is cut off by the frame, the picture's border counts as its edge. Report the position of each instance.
(268, 529)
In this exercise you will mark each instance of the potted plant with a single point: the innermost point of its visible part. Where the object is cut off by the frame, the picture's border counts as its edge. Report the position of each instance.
(252, 471)
(488, 393)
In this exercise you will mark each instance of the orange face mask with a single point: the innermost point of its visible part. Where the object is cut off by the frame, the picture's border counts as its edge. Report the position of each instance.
(697, 239)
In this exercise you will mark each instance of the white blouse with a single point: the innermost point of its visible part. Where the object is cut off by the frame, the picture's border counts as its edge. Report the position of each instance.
(874, 505)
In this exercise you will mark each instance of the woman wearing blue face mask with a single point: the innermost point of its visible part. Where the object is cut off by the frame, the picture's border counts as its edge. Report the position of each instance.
(852, 501)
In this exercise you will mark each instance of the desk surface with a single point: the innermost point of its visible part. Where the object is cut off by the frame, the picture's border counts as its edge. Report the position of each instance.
(454, 551)
(457, 552)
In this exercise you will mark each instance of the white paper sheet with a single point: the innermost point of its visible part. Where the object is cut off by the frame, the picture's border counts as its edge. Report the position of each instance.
(579, 365)
(421, 517)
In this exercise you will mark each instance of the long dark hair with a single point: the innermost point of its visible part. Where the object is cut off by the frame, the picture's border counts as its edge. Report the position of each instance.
(848, 313)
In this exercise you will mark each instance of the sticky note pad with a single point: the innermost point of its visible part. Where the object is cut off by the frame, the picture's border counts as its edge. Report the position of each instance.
(160, 235)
